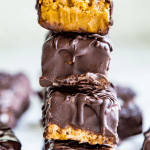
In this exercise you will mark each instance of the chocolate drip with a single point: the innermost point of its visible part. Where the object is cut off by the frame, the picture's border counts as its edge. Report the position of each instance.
(81, 100)
(102, 39)
(81, 36)
(103, 117)
(56, 40)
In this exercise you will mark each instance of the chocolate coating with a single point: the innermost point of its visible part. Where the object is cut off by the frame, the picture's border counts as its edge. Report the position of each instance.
(95, 111)
(130, 116)
(8, 141)
(68, 54)
(73, 145)
(146, 144)
(14, 97)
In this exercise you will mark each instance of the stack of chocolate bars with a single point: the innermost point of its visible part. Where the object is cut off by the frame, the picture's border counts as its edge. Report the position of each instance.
(80, 106)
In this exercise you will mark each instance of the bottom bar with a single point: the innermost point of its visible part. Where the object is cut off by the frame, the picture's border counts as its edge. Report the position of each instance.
(82, 116)
(74, 145)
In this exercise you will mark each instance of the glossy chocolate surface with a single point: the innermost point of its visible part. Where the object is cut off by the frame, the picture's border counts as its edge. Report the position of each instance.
(68, 54)
(8, 141)
(14, 97)
(95, 111)
(130, 116)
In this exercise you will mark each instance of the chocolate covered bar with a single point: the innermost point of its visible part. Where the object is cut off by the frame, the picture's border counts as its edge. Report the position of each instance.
(75, 59)
(14, 97)
(146, 144)
(8, 141)
(90, 16)
(130, 116)
(87, 117)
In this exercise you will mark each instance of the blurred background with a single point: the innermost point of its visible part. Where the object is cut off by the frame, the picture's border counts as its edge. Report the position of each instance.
(21, 39)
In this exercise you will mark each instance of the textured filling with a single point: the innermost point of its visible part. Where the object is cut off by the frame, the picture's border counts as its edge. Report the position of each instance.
(56, 133)
(76, 15)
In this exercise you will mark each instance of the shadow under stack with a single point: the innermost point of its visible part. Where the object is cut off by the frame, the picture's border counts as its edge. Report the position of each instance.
(80, 106)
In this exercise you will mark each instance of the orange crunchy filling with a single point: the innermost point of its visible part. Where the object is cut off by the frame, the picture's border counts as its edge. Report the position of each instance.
(56, 133)
(76, 15)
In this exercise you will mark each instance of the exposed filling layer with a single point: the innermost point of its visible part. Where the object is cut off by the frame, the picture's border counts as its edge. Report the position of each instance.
(54, 132)
(76, 15)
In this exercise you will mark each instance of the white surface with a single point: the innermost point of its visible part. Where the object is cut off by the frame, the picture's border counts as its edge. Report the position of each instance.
(21, 40)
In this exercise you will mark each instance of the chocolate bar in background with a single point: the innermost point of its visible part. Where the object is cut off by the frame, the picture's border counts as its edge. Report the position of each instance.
(146, 144)
(8, 141)
(67, 58)
(87, 117)
(14, 97)
(130, 116)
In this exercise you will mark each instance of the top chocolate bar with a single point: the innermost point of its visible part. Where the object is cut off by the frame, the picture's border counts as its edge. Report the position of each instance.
(82, 16)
